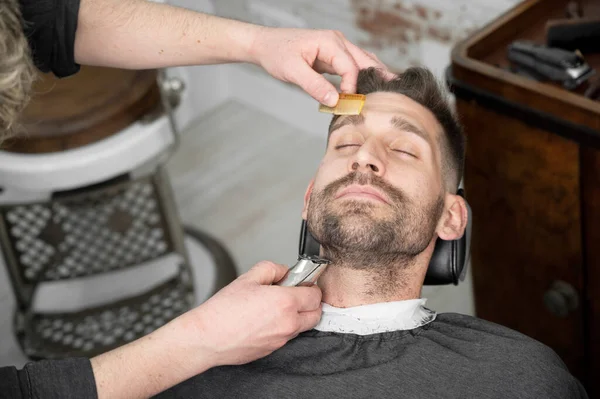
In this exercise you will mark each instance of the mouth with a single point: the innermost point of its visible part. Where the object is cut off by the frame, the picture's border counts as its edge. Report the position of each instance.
(362, 192)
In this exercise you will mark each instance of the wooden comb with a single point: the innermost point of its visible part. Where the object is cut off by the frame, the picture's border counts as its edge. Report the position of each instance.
(348, 104)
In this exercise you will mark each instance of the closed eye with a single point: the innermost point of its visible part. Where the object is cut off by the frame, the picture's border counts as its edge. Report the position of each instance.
(405, 152)
(339, 147)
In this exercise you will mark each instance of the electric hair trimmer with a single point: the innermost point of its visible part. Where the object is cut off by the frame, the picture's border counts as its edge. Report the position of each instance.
(305, 272)
(309, 266)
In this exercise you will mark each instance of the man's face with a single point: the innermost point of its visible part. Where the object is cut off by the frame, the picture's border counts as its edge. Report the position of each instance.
(379, 188)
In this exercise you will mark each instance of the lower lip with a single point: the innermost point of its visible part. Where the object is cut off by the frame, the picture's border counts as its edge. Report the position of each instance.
(363, 195)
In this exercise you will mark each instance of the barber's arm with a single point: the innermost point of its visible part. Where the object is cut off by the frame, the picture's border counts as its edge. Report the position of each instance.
(244, 321)
(137, 34)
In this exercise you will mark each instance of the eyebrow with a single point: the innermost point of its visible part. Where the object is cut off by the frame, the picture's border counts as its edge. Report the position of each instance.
(347, 120)
(396, 122)
(406, 126)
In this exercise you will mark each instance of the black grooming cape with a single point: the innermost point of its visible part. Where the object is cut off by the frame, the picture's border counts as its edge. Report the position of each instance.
(455, 356)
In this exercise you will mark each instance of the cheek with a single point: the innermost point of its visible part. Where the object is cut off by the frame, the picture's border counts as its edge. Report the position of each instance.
(329, 171)
(416, 182)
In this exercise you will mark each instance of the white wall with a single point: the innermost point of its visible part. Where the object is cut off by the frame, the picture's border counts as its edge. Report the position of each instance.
(401, 32)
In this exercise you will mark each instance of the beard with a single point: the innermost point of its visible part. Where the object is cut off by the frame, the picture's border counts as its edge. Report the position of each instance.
(360, 234)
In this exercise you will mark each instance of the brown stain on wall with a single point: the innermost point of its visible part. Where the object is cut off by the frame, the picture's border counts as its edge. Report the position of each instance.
(421, 12)
(399, 25)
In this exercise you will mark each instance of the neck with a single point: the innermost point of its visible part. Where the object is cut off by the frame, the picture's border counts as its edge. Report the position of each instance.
(355, 279)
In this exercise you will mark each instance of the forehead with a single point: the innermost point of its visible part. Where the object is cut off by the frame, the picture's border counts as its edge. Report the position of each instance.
(383, 106)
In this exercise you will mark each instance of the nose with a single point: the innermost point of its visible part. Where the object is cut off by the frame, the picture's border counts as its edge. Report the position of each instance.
(366, 160)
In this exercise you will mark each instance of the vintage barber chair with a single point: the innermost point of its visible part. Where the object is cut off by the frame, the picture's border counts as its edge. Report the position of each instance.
(84, 196)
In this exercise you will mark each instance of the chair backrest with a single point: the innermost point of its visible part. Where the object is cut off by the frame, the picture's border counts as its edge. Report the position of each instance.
(448, 263)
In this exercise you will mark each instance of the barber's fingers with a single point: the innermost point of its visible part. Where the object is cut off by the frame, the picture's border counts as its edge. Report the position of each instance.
(365, 59)
(336, 54)
(314, 84)
(306, 298)
(308, 320)
(362, 58)
(266, 273)
(322, 67)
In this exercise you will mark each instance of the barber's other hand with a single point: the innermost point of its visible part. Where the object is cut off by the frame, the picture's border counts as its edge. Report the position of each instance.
(250, 318)
(300, 56)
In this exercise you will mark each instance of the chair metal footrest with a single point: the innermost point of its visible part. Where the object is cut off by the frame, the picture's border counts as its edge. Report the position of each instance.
(96, 330)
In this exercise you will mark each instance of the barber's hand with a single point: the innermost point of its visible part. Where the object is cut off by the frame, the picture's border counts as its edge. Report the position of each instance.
(243, 322)
(250, 318)
(300, 56)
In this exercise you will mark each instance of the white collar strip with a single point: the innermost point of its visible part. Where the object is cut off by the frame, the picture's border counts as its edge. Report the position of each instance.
(376, 318)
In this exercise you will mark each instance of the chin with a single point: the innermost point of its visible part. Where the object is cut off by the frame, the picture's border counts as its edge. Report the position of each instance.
(362, 210)
(361, 229)
(357, 228)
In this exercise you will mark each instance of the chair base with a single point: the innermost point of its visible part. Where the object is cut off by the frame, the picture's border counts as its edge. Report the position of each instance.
(93, 331)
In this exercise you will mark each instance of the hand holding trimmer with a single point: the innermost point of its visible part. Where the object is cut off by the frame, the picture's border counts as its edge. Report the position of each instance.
(309, 266)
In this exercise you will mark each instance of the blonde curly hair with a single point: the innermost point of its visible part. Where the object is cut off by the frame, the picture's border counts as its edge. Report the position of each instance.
(17, 71)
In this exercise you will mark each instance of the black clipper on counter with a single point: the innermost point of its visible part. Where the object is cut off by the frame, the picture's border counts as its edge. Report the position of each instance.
(549, 63)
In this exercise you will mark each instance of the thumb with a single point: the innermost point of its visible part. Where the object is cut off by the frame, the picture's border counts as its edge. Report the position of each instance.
(315, 85)
(266, 273)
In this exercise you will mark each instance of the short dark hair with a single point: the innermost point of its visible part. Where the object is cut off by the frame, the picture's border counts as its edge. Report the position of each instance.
(421, 86)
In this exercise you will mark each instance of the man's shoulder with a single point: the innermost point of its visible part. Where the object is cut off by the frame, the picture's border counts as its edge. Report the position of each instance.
(490, 336)
(460, 320)
(503, 353)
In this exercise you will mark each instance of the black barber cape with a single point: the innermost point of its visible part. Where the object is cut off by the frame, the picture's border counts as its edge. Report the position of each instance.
(454, 356)
(49, 379)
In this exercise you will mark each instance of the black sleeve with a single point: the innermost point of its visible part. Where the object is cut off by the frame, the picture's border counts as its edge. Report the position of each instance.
(50, 27)
(49, 379)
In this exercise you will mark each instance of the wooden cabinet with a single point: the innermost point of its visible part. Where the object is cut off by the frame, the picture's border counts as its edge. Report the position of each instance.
(532, 178)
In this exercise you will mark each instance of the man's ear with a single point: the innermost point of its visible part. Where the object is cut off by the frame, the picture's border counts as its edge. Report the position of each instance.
(307, 199)
(454, 219)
